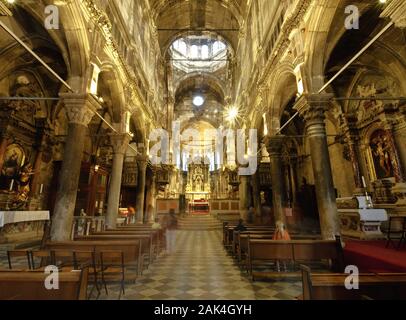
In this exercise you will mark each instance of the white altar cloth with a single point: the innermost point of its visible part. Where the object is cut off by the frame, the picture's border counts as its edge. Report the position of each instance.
(7, 217)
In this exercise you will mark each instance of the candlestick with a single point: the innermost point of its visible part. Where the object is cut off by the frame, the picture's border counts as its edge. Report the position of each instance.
(363, 182)
(11, 185)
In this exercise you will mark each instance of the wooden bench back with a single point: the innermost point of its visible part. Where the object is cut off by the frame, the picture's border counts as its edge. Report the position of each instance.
(229, 232)
(145, 239)
(30, 285)
(307, 250)
(130, 248)
(331, 286)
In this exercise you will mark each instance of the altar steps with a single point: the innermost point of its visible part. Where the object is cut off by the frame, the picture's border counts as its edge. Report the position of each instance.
(199, 222)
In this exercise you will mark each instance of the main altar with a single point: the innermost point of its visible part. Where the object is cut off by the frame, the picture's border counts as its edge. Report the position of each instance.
(198, 188)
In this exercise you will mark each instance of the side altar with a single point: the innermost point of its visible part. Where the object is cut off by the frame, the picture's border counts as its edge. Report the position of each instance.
(20, 226)
(359, 219)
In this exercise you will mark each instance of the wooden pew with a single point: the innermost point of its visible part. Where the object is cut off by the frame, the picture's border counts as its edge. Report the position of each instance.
(146, 239)
(241, 240)
(331, 286)
(236, 237)
(242, 247)
(229, 233)
(130, 248)
(30, 285)
(158, 234)
(262, 251)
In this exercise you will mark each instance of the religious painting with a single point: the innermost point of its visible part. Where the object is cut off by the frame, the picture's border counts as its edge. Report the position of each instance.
(382, 154)
(372, 85)
(14, 158)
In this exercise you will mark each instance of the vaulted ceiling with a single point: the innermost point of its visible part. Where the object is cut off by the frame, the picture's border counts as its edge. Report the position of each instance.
(176, 17)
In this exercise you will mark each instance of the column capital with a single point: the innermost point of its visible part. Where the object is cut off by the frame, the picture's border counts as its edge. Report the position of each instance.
(396, 11)
(312, 107)
(119, 142)
(142, 161)
(274, 145)
(80, 108)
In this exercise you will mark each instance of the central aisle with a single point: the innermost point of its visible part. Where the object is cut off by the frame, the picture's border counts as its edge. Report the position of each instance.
(200, 269)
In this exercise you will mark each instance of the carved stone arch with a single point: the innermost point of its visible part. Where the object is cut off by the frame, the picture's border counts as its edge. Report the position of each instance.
(76, 34)
(140, 130)
(281, 77)
(194, 121)
(320, 23)
(210, 81)
(57, 36)
(111, 88)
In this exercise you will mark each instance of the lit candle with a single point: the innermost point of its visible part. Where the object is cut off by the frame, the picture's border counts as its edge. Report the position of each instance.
(11, 185)
(41, 189)
(363, 182)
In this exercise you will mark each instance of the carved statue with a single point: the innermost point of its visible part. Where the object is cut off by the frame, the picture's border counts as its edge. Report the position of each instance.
(23, 187)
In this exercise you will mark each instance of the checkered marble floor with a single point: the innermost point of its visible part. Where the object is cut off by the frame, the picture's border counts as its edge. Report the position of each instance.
(200, 269)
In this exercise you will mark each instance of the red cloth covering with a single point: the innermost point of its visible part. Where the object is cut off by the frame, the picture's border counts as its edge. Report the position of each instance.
(372, 256)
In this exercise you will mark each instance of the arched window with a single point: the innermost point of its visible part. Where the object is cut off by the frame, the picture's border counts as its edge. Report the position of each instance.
(194, 52)
(205, 52)
(218, 46)
(180, 46)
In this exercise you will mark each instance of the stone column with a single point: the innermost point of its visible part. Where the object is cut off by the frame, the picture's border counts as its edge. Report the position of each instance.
(119, 143)
(312, 108)
(151, 194)
(256, 196)
(351, 138)
(244, 197)
(80, 110)
(142, 171)
(274, 147)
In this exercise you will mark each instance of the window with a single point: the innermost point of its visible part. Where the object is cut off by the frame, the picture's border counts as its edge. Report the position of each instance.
(205, 52)
(218, 46)
(199, 54)
(194, 52)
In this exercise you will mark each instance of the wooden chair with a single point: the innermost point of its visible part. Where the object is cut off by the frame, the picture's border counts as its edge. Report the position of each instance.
(112, 266)
(18, 254)
(88, 258)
